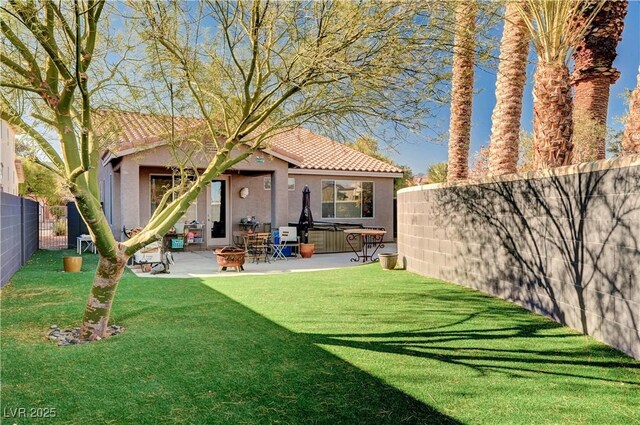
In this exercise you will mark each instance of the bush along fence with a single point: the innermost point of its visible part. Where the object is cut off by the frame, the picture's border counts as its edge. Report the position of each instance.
(18, 233)
(564, 243)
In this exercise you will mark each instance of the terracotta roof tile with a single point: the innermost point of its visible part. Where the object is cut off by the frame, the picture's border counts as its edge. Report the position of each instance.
(308, 150)
(321, 153)
(130, 131)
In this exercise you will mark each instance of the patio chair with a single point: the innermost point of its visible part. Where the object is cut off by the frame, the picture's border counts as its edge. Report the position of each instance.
(288, 238)
(238, 238)
(277, 245)
(258, 245)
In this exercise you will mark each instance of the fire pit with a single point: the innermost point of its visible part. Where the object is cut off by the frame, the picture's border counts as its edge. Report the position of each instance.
(230, 257)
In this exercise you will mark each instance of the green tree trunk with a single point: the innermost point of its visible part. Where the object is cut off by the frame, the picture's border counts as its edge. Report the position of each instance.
(105, 283)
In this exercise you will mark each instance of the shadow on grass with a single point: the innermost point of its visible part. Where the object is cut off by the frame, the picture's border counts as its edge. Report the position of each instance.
(283, 377)
(212, 361)
(469, 350)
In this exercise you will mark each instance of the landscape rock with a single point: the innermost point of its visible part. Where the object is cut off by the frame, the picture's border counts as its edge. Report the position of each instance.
(71, 336)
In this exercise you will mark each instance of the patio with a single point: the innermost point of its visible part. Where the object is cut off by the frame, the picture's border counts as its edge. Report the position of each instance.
(200, 264)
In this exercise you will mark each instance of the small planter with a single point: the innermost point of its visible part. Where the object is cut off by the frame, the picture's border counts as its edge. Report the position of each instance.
(307, 250)
(388, 260)
(72, 264)
(230, 257)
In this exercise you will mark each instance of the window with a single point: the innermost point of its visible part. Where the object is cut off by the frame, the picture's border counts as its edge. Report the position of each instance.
(347, 199)
(160, 184)
(291, 183)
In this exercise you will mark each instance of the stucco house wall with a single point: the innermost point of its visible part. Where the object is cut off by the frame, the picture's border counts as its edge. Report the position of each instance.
(131, 206)
(8, 174)
(140, 151)
(382, 198)
(128, 199)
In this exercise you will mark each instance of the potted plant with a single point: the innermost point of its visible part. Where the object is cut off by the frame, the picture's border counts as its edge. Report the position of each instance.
(307, 249)
(72, 263)
(388, 260)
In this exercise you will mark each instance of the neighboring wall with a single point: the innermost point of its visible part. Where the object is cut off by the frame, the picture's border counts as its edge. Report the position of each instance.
(562, 243)
(18, 233)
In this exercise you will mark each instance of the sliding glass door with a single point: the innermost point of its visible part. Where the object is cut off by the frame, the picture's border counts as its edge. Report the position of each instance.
(218, 223)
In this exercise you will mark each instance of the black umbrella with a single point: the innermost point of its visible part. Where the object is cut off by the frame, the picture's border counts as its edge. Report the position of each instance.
(306, 219)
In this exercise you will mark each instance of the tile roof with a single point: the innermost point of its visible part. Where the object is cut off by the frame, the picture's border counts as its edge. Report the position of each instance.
(321, 153)
(305, 149)
(129, 132)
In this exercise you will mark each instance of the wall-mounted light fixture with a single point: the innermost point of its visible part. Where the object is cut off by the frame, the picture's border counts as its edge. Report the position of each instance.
(244, 192)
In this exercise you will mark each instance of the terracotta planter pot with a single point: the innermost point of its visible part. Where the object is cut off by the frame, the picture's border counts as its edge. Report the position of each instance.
(388, 260)
(307, 250)
(72, 264)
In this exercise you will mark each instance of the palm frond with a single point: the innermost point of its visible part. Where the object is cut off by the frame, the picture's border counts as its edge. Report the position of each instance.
(555, 26)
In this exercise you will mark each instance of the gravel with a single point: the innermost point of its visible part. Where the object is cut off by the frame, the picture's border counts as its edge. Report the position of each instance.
(71, 336)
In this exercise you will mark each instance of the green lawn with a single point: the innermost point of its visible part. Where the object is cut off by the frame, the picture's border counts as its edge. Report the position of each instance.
(356, 345)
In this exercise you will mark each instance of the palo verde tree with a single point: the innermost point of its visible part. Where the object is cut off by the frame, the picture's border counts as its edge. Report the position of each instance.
(251, 69)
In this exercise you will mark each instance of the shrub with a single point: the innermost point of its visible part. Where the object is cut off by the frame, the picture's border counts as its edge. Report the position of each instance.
(60, 228)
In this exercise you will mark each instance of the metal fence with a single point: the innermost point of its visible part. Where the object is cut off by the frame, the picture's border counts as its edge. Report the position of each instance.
(53, 229)
(18, 233)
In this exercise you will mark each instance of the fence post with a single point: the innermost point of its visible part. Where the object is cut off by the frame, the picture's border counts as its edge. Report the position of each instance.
(22, 231)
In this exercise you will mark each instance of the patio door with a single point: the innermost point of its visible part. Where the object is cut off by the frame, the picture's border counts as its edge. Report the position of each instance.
(218, 223)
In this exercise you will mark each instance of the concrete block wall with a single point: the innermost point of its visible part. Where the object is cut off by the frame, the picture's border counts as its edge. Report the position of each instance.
(564, 243)
(18, 233)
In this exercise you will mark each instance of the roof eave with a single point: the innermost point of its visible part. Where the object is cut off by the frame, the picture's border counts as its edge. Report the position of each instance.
(349, 173)
(283, 157)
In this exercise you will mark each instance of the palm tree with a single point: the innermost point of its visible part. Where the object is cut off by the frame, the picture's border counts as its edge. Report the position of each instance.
(512, 70)
(554, 29)
(631, 135)
(593, 74)
(462, 90)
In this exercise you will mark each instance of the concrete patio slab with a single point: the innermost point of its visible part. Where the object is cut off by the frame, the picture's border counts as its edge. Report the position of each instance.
(200, 264)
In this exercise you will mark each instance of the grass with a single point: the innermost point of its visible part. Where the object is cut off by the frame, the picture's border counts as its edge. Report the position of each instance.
(356, 345)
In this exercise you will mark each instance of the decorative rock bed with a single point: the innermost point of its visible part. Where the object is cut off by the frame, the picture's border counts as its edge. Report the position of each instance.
(71, 336)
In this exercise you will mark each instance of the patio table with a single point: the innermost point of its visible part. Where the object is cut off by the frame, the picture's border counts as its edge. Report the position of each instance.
(371, 240)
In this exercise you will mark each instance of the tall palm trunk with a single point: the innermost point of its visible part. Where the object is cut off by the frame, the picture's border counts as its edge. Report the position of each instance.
(593, 74)
(555, 31)
(631, 135)
(462, 90)
(512, 70)
(552, 119)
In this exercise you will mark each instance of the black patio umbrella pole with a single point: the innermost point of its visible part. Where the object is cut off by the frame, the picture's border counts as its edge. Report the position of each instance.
(306, 219)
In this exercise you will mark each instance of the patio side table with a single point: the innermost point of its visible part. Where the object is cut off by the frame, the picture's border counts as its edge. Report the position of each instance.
(83, 243)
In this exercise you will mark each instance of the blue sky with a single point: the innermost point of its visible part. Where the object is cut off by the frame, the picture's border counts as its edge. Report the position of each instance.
(420, 153)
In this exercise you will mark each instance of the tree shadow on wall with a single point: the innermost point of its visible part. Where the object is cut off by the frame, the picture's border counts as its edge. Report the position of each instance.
(563, 246)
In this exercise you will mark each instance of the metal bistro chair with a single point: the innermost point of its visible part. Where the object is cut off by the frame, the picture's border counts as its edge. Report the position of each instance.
(238, 238)
(258, 245)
